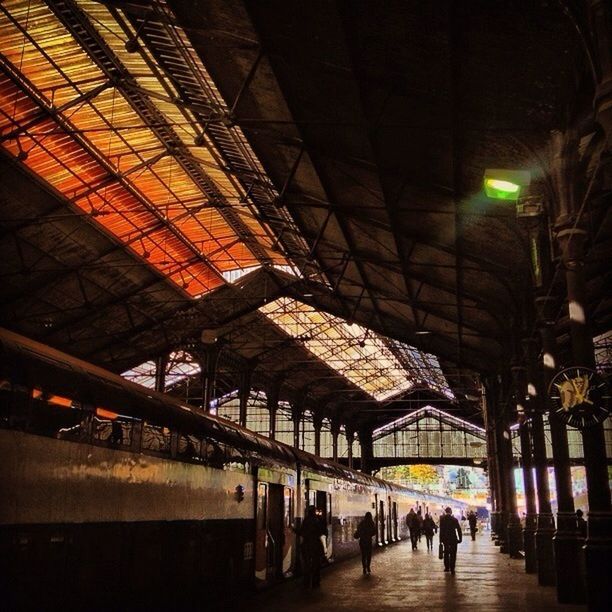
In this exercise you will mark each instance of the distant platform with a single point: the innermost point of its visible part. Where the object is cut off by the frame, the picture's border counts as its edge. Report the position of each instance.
(402, 579)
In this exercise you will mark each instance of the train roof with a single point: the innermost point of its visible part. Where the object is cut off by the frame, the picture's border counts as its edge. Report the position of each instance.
(98, 387)
(95, 386)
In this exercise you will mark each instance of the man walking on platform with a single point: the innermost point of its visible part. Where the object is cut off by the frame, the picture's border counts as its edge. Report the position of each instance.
(471, 517)
(450, 536)
(412, 521)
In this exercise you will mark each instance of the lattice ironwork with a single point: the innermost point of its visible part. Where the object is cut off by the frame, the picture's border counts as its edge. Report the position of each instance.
(108, 130)
(361, 356)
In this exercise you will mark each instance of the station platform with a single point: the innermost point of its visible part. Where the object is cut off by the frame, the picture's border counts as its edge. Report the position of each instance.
(403, 579)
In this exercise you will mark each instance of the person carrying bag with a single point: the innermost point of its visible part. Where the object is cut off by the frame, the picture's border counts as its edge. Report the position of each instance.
(450, 536)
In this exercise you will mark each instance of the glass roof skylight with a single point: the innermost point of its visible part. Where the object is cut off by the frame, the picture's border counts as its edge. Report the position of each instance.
(445, 417)
(425, 367)
(359, 355)
(179, 367)
(123, 150)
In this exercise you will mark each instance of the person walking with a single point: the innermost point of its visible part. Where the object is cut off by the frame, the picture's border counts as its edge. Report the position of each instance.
(413, 525)
(472, 523)
(366, 530)
(429, 528)
(311, 531)
(450, 536)
(419, 523)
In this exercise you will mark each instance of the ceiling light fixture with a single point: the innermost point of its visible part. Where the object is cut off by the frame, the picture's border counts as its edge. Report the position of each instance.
(505, 184)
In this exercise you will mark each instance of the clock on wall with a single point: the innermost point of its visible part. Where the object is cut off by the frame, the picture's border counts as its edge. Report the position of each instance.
(580, 397)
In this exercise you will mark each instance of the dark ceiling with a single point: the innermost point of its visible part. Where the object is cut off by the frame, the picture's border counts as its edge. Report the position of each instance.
(375, 121)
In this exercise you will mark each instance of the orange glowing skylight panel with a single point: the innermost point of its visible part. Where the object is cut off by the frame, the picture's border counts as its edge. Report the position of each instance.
(99, 154)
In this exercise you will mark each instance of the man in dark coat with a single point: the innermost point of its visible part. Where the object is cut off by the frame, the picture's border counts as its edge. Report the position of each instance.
(412, 520)
(311, 531)
(471, 517)
(365, 532)
(450, 536)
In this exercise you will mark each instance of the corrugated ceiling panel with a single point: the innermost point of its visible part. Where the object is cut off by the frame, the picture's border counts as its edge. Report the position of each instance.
(100, 155)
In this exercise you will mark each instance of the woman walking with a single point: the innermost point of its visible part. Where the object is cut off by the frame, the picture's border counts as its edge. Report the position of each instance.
(365, 532)
(429, 528)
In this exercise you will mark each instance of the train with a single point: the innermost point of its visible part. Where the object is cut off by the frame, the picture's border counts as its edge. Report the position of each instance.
(114, 496)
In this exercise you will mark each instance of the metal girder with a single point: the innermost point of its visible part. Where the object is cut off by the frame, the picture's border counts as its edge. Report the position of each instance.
(81, 28)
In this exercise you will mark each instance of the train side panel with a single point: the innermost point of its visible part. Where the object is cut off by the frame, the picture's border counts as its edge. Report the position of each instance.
(88, 525)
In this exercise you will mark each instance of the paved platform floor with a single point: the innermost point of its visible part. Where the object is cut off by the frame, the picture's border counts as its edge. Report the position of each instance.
(401, 579)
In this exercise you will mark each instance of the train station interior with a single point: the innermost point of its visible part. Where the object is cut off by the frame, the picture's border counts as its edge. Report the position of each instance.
(265, 257)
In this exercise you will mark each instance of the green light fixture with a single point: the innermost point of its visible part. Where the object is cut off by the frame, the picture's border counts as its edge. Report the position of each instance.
(505, 184)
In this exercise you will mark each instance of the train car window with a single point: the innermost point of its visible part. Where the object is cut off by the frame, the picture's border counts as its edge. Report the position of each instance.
(216, 454)
(189, 448)
(50, 415)
(155, 438)
(321, 504)
(116, 432)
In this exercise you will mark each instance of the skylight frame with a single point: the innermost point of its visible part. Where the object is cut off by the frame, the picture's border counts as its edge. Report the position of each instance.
(178, 256)
(381, 378)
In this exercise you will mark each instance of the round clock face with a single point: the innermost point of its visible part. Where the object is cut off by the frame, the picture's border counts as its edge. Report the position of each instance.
(580, 397)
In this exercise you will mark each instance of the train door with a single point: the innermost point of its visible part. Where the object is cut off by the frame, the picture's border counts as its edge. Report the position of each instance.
(289, 535)
(323, 505)
(321, 500)
(381, 521)
(390, 536)
(261, 536)
(396, 534)
(270, 532)
(377, 521)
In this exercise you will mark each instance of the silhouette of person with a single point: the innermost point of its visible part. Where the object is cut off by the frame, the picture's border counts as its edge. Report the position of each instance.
(366, 530)
(450, 536)
(412, 520)
(419, 523)
(581, 523)
(429, 528)
(311, 531)
(471, 517)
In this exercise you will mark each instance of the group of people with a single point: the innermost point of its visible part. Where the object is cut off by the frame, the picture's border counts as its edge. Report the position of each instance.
(312, 528)
(451, 533)
(419, 526)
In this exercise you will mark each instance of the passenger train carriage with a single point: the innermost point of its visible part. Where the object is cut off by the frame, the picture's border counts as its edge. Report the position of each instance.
(114, 494)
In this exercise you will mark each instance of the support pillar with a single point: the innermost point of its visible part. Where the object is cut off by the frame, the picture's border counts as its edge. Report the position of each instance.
(272, 396)
(367, 450)
(160, 373)
(494, 411)
(210, 358)
(317, 422)
(566, 542)
(244, 393)
(296, 416)
(350, 438)
(598, 546)
(501, 519)
(335, 432)
(545, 522)
(505, 445)
(492, 466)
(529, 530)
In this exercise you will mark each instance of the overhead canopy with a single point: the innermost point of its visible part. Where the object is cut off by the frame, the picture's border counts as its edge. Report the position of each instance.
(305, 182)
